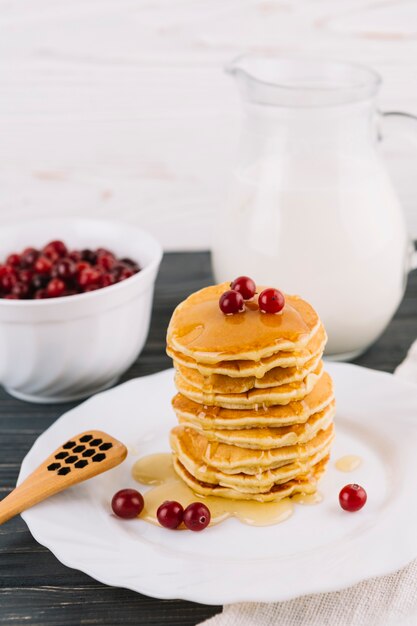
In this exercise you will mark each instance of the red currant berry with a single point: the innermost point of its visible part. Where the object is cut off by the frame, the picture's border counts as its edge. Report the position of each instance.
(197, 516)
(11, 296)
(125, 273)
(13, 260)
(40, 294)
(82, 265)
(55, 249)
(106, 260)
(170, 514)
(55, 288)
(64, 268)
(106, 280)
(43, 265)
(352, 497)
(28, 258)
(89, 276)
(20, 290)
(132, 264)
(127, 503)
(39, 281)
(25, 276)
(271, 301)
(8, 281)
(74, 255)
(89, 256)
(5, 270)
(245, 286)
(231, 302)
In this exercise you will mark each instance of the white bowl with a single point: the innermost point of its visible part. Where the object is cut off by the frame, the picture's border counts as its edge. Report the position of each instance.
(67, 348)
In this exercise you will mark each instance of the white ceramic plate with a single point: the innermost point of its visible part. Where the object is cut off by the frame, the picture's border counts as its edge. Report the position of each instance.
(320, 548)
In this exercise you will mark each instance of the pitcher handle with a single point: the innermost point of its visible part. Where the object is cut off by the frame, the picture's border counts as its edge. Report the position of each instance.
(405, 120)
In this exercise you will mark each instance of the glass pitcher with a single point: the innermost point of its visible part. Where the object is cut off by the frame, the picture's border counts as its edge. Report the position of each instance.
(311, 209)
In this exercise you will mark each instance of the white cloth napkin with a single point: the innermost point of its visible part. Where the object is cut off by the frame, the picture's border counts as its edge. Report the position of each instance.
(385, 601)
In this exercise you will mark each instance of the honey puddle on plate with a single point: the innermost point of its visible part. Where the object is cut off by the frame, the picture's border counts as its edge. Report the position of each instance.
(348, 463)
(157, 470)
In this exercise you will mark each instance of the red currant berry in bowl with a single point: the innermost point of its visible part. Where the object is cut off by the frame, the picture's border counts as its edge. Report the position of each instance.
(88, 277)
(13, 260)
(352, 497)
(7, 282)
(245, 286)
(43, 265)
(55, 288)
(28, 257)
(271, 301)
(127, 503)
(21, 290)
(197, 516)
(231, 302)
(170, 514)
(64, 268)
(55, 249)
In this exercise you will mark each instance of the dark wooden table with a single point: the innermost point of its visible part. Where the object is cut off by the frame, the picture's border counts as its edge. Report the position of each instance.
(34, 587)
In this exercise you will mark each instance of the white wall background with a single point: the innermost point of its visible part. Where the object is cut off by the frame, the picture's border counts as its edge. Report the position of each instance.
(121, 108)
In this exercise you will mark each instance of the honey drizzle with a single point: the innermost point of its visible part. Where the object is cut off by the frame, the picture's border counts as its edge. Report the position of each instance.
(157, 470)
(348, 463)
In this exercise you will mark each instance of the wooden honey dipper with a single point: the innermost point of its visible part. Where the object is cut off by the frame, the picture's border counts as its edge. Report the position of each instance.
(80, 458)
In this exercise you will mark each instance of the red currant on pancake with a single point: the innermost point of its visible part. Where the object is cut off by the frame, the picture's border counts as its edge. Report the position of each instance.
(231, 302)
(352, 497)
(127, 503)
(197, 516)
(170, 514)
(271, 301)
(245, 286)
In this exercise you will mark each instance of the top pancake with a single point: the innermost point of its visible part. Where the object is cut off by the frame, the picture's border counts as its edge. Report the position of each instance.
(242, 368)
(198, 328)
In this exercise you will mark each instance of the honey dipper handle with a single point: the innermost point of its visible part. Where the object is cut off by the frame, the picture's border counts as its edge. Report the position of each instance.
(27, 494)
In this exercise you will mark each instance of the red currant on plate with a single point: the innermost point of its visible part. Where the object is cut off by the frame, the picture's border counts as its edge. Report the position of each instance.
(170, 514)
(245, 286)
(231, 302)
(197, 516)
(127, 503)
(352, 497)
(271, 301)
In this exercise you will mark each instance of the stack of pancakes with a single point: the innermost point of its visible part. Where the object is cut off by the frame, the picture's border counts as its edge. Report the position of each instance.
(255, 407)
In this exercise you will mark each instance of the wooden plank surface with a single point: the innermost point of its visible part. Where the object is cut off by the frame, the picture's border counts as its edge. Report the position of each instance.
(34, 587)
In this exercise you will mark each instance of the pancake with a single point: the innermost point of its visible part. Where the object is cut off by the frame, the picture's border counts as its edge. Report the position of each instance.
(250, 483)
(242, 368)
(233, 459)
(304, 484)
(297, 412)
(219, 383)
(198, 329)
(266, 438)
(282, 394)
